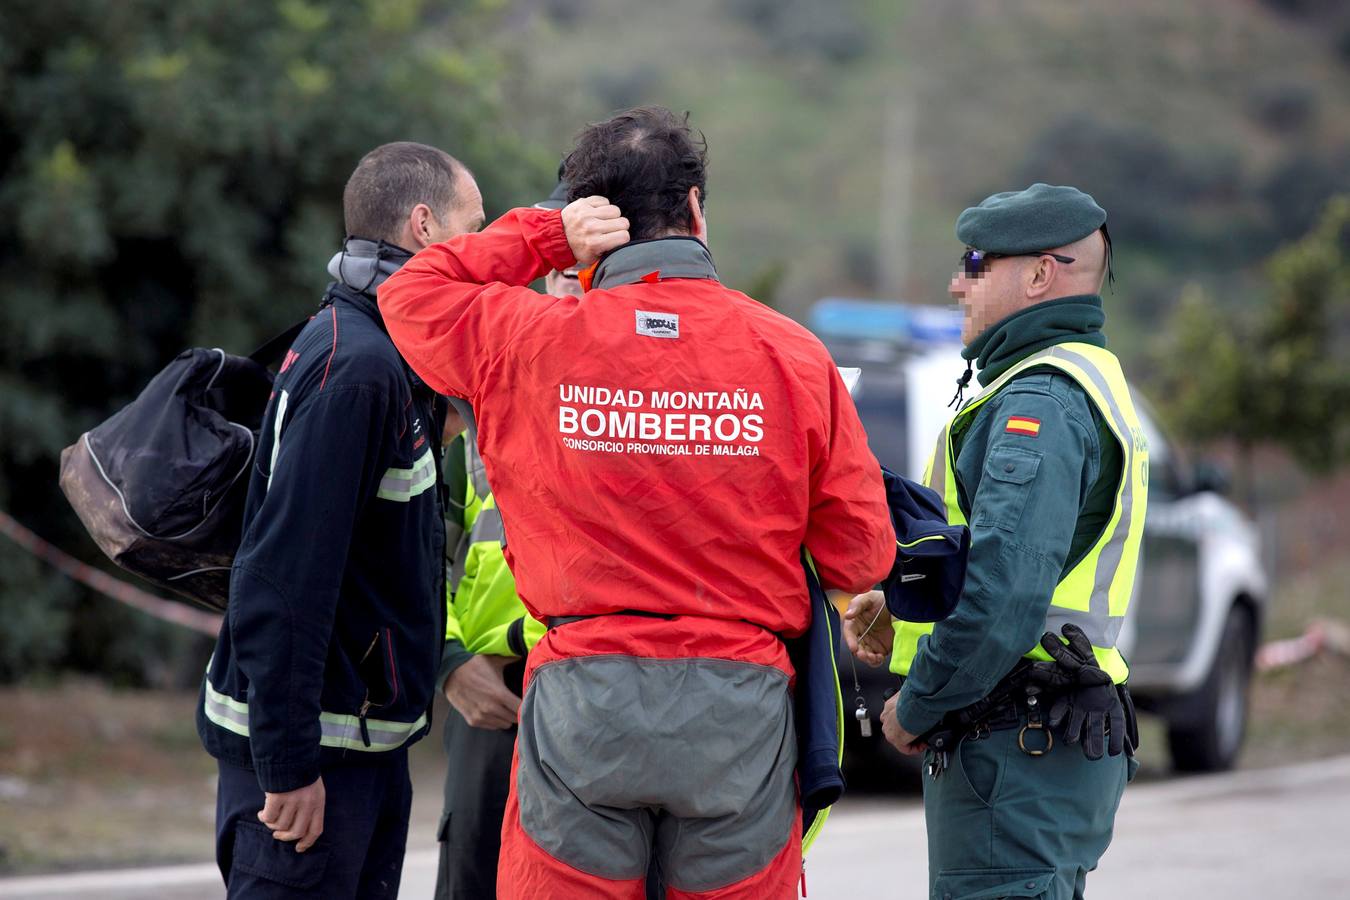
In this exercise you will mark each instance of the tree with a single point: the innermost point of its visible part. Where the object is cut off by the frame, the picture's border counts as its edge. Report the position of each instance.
(1208, 381)
(1303, 337)
(171, 174)
(1280, 376)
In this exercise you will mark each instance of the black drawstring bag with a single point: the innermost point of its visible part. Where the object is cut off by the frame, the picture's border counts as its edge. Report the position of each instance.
(161, 485)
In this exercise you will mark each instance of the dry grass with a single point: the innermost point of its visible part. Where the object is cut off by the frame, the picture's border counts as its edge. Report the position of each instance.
(90, 776)
(1300, 712)
(93, 777)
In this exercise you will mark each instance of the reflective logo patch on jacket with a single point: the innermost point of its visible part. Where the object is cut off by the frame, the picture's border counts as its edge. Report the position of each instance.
(658, 324)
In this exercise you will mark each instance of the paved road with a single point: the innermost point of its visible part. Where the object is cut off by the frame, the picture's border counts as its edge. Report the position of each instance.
(1242, 836)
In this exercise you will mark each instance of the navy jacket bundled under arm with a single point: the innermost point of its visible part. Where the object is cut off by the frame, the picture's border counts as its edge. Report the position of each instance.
(335, 618)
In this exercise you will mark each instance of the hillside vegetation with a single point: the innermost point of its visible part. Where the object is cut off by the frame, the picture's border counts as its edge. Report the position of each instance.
(1211, 131)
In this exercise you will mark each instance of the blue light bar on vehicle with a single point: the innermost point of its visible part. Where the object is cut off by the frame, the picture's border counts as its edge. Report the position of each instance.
(845, 317)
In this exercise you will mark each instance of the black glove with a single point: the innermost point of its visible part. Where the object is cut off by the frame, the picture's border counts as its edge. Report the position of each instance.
(1090, 709)
(1062, 672)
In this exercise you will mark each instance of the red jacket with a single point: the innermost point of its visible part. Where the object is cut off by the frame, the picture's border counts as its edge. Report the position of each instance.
(666, 445)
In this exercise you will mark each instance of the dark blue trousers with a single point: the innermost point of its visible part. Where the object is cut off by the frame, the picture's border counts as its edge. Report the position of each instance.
(359, 854)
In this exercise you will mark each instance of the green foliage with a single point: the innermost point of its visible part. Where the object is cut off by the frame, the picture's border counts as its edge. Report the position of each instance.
(833, 31)
(1303, 335)
(1280, 375)
(1135, 173)
(1211, 131)
(766, 283)
(1208, 382)
(171, 174)
(36, 611)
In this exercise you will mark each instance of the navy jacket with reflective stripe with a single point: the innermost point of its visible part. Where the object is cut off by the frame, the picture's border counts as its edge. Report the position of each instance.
(923, 585)
(336, 613)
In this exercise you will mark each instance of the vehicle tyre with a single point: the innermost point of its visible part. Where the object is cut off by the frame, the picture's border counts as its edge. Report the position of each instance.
(1205, 732)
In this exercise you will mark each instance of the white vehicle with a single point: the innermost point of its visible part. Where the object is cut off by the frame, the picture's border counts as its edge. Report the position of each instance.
(1200, 599)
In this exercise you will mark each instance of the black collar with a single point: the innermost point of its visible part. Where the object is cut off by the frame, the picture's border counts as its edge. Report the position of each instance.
(365, 304)
(652, 260)
(361, 301)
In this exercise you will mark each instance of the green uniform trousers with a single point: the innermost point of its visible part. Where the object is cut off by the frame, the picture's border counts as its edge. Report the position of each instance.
(476, 783)
(1002, 823)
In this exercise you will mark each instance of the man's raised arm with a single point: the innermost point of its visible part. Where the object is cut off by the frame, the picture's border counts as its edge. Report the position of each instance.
(455, 305)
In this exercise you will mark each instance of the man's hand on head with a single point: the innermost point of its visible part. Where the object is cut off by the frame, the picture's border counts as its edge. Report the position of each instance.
(296, 815)
(594, 226)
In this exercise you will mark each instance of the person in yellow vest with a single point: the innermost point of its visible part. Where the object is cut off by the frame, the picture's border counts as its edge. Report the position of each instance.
(1017, 699)
(487, 635)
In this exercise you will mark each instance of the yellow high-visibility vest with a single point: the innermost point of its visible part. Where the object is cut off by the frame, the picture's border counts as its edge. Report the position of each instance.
(1095, 593)
(483, 611)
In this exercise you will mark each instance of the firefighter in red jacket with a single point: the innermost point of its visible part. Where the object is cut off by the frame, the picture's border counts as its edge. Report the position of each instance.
(661, 449)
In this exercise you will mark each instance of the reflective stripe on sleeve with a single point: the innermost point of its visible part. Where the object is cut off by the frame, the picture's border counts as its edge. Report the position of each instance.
(402, 485)
(477, 472)
(277, 422)
(336, 729)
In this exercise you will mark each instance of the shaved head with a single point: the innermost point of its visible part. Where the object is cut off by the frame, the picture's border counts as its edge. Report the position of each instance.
(1088, 271)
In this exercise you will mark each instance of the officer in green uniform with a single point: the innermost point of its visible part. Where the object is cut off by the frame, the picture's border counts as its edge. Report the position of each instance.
(1048, 465)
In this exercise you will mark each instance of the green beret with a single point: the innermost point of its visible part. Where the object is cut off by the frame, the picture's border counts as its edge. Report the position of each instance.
(1042, 217)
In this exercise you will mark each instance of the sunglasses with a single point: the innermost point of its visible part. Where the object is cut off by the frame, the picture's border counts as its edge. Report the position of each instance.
(974, 262)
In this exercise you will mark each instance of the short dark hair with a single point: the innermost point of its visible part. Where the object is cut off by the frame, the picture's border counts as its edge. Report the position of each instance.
(389, 181)
(644, 161)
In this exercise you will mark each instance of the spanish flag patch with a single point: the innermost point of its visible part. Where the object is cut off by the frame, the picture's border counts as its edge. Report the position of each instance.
(1024, 425)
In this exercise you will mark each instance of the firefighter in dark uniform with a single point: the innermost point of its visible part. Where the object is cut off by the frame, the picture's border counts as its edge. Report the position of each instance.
(323, 673)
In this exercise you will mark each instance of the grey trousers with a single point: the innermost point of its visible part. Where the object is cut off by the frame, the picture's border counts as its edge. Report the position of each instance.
(685, 766)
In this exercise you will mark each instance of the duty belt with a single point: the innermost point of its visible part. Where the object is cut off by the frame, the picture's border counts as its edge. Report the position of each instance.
(1016, 701)
(1013, 702)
